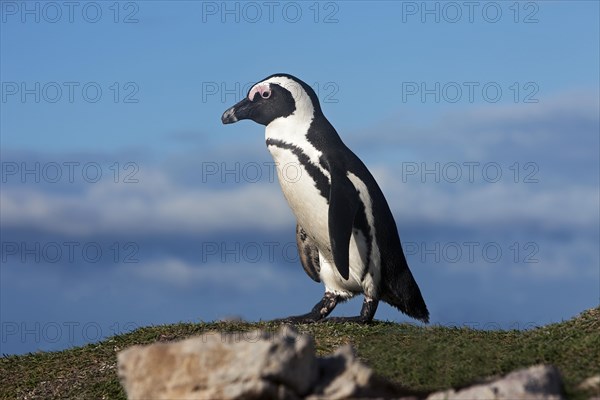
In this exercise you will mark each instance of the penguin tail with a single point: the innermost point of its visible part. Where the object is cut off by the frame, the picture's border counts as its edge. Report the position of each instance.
(403, 293)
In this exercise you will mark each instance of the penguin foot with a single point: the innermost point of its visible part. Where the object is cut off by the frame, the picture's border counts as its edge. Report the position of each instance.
(367, 313)
(319, 311)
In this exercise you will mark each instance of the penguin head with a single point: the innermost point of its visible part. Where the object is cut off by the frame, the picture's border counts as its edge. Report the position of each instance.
(277, 96)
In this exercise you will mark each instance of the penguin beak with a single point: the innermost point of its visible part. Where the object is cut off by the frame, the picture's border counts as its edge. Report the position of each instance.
(241, 110)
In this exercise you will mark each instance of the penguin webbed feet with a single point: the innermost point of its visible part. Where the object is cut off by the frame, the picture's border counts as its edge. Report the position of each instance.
(321, 310)
(326, 305)
(367, 313)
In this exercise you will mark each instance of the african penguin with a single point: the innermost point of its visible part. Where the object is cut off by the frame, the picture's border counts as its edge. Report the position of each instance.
(345, 231)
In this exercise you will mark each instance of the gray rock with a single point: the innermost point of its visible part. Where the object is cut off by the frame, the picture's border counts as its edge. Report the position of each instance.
(591, 384)
(342, 376)
(540, 382)
(224, 366)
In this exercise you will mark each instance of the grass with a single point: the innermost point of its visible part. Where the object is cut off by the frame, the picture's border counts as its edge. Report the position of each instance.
(420, 358)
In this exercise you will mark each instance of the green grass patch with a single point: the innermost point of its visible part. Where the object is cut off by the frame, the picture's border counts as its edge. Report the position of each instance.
(420, 358)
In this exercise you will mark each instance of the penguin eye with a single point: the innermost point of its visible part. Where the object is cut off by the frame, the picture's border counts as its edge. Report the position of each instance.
(266, 94)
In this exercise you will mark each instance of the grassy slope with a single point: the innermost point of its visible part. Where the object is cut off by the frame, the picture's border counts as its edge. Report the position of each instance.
(429, 358)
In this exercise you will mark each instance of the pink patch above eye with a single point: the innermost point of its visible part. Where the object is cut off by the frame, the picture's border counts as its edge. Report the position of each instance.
(263, 89)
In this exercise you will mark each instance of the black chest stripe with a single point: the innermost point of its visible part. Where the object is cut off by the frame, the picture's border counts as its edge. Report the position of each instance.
(315, 173)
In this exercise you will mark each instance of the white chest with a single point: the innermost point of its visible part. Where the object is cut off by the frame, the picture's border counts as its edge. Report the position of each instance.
(301, 192)
(297, 164)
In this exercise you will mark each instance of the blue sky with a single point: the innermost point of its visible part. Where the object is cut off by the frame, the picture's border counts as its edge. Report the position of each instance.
(188, 222)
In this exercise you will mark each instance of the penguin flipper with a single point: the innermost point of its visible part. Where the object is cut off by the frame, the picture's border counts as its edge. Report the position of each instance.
(343, 205)
(309, 254)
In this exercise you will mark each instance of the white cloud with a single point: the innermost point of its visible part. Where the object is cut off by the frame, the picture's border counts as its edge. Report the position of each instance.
(153, 204)
(568, 207)
(554, 129)
(160, 205)
(157, 206)
(178, 273)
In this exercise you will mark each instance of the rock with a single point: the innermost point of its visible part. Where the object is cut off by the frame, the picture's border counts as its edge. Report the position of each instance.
(540, 382)
(224, 366)
(342, 376)
(591, 384)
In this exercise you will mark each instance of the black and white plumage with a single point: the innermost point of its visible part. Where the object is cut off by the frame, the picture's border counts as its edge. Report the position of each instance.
(346, 234)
